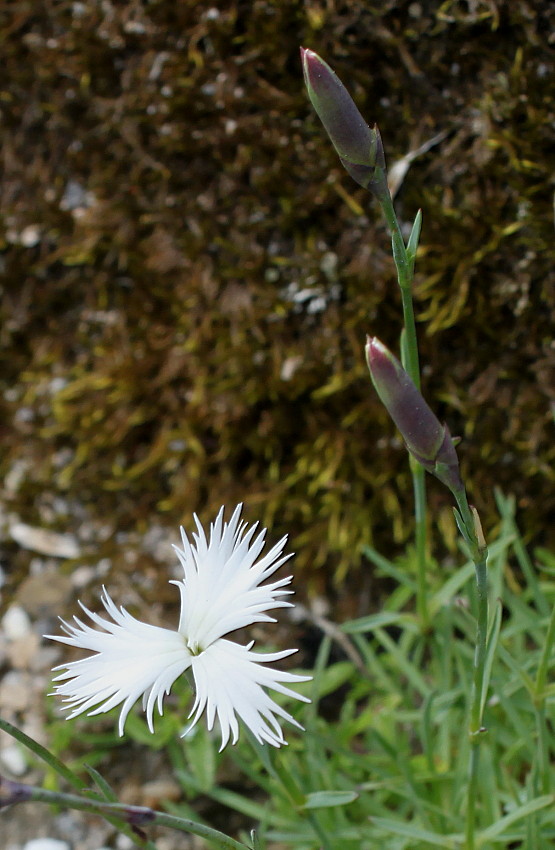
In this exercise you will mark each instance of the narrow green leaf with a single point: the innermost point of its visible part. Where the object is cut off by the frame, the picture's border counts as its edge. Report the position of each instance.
(427, 730)
(518, 670)
(410, 831)
(517, 814)
(451, 587)
(399, 253)
(507, 509)
(240, 803)
(262, 752)
(491, 646)
(403, 663)
(545, 656)
(334, 677)
(103, 786)
(460, 523)
(373, 621)
(388, 568)
(329, 799)
(414, 238)
(374, 664)
(458, 580)
(283, 775)
(547, 558)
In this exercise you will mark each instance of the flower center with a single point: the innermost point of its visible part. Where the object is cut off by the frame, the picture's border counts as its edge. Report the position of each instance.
(194, 648)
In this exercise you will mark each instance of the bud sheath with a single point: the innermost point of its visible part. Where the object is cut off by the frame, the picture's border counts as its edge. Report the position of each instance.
(425, 437)
(359, 146)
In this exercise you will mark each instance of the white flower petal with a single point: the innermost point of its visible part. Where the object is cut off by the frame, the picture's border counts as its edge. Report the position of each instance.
(230, 681)
(132, 659)
(221, 590)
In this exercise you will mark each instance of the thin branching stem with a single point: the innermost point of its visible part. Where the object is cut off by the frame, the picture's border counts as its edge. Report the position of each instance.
(135, 816)
(405, 276)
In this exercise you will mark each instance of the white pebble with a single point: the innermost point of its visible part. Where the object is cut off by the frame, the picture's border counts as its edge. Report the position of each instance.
(82, 576)
(44, 541)
(13, 760)
(16, 623)
(46, 844)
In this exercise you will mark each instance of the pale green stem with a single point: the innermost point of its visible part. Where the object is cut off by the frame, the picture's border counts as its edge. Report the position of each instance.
(421, 541)
(405, 276)
(471, 795)
(478, 553)
(135, 816)
(539, 700)
(544, 762)
(476, 728)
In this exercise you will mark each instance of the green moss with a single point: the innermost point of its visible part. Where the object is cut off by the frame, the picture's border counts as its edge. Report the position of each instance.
(155, 336)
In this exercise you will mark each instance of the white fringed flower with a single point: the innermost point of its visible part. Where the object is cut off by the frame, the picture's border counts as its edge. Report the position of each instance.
(221, 591)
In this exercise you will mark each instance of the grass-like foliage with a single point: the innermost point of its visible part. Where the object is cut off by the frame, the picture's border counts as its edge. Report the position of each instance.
(390, 767)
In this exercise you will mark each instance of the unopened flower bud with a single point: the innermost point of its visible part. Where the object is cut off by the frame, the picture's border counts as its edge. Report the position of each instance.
(359, 146)
(425, 437)
(13, 792)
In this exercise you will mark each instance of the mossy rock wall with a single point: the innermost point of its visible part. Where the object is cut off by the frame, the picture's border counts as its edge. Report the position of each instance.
(189, 274)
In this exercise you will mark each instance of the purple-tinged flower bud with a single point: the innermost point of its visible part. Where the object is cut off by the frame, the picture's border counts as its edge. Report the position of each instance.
(13, 792)
(138, 815)
(425, 437)
(359, 146)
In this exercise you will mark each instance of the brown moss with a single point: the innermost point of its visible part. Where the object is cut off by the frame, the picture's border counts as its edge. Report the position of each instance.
(189, 274)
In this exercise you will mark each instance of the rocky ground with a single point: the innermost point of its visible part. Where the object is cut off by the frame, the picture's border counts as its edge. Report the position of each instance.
(26, 659)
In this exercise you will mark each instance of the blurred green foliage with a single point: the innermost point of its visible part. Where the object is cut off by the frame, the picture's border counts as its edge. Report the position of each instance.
(189, 275)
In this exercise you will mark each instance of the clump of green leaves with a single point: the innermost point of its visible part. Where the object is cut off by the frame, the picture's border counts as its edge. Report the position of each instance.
(389, 766)
(384, 756)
